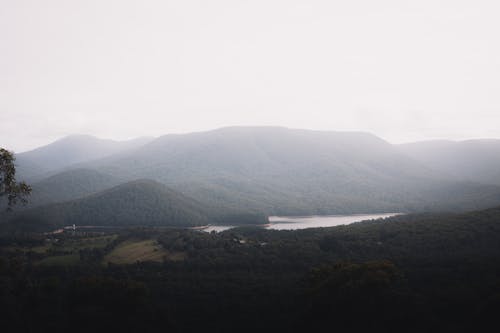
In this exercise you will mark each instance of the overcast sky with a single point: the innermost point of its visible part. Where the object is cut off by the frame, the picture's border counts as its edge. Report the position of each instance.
(403, 70)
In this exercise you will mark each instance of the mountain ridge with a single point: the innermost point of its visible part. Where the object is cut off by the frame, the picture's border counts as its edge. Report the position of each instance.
(140, 202)
(281, 171)
(474, 160)
(70, 150)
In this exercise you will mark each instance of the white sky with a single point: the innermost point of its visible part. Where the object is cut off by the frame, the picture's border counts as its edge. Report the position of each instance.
(404, 70)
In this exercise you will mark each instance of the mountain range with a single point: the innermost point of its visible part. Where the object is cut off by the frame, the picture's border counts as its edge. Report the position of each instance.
(248, 171)
(40, 162)
(474, 160)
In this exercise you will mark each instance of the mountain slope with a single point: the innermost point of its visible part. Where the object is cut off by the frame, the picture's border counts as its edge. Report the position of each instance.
(475, 160)
(285, 171)
(141, 202)
(68, 151)
(279, 171)
(69, 185)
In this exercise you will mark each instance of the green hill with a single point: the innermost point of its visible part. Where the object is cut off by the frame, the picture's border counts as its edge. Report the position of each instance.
(36, 164)
(136, 203)
(69, 185)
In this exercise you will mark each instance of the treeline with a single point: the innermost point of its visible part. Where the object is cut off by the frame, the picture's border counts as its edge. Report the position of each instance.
(137, 203)
(415, 273)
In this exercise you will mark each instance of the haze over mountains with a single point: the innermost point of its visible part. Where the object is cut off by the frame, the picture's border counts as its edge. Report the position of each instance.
(475, 160)
(71, 150)
(70, 184)
(265, 170)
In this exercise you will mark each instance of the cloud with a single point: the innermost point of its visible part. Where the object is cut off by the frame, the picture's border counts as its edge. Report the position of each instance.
(118, 69)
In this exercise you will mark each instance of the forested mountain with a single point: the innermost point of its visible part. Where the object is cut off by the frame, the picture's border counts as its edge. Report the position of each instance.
(269, 170)
(69, 185)
(284, 171)
(68, 151)
(475, 160)
(141, 202)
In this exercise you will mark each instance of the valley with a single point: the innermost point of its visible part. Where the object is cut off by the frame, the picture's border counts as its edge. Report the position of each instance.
(239, 175)
(289, 226)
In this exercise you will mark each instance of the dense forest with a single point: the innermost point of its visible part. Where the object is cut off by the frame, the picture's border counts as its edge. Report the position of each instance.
(413, 273)
(136, 203)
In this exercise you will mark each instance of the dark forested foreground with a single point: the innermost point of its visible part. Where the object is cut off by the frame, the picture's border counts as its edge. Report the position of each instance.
(414, 273)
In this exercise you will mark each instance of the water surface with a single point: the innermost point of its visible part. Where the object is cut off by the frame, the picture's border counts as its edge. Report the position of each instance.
(304, 222)
(318, 221)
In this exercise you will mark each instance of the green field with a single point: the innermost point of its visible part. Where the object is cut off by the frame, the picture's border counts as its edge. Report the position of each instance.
(87, 243)
(25, 249)
(66, 245)
(63, 260)
(61, 253)
(67, 251)
(131, 251)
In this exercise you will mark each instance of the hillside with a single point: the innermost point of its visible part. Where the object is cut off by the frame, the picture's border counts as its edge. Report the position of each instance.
(141, 202)
(474, 160)
(272, 171)
(69, 185)
(426, 236)
(70, 150)
(285, 171)
(416, 273)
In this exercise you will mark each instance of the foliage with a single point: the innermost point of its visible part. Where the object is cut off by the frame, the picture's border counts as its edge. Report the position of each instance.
(414, 273)
(137, 203)
(70, 185)
(8, 186)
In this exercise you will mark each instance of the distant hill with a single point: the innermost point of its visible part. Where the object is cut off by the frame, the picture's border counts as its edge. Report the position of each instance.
(69, 185)
(34, 164)
(473, 235)
(141, 202)
(268, 170)
(285, 171)
(474, 160)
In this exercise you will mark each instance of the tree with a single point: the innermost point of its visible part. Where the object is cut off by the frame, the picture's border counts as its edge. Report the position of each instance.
(8, 186)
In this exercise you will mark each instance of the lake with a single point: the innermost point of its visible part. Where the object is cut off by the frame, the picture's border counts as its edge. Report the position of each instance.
(313, 221)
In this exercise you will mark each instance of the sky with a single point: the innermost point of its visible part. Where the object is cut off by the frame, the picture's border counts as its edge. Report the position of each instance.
(403, 70)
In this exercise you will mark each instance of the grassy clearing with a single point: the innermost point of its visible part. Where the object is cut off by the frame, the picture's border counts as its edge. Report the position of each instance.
(91, 242)
(130, 252)
(67, 251)
(39, 249)
(36, 249)
(68, 245)
(64, 260)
